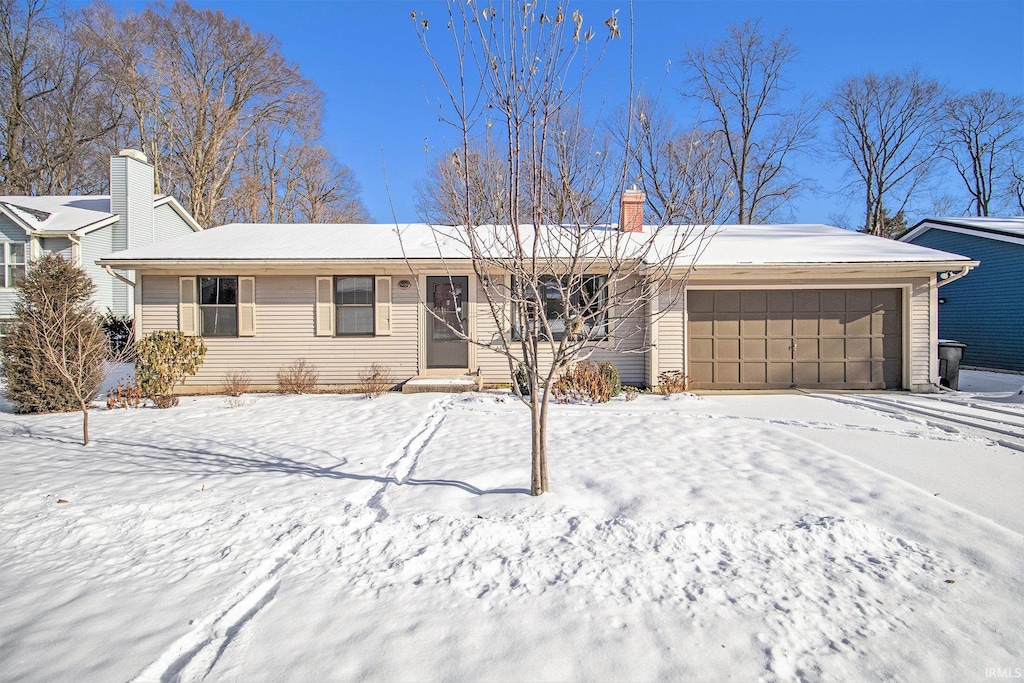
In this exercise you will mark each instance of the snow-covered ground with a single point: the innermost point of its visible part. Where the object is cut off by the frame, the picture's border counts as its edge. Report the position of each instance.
(733, 537)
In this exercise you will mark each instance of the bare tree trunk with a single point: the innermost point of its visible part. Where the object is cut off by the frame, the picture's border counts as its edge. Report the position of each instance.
(85, 425)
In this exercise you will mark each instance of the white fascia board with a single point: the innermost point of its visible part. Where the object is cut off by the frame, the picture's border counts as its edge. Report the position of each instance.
(925, 226)
(29, 230)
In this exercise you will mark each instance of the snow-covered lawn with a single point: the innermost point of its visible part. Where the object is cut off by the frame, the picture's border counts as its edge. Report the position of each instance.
(742, 537)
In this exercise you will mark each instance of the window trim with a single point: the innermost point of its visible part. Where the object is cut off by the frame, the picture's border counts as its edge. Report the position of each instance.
(200, 305)
(6, 264)
(336, 305)
(589, 337)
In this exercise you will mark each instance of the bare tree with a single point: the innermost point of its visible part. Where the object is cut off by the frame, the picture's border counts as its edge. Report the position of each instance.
(886, 131)
(56, 103)
(1015, 189)
(682, 173)
(981, 131)
(554, 292)
(204, 90)
(741, 79)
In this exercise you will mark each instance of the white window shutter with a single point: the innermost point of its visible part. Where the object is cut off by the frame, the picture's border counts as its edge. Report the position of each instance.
(188, 311)
(382, 310)
(325, 306)
(246, 307)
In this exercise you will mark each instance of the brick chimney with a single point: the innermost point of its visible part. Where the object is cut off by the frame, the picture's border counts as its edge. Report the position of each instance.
(631, 210)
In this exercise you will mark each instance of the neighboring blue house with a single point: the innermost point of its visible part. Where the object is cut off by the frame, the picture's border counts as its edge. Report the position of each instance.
(86, 228)
(984, 310)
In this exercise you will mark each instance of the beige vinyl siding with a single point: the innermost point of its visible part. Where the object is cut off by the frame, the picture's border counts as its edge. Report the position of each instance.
(671, 339)
(621, 351)
(923, 329)
(285, 332)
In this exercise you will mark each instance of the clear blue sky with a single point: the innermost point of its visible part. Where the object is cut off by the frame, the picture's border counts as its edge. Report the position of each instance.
(366, 58)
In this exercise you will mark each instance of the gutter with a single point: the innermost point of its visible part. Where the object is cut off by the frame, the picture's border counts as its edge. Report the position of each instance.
(122, 278)
(947, 277)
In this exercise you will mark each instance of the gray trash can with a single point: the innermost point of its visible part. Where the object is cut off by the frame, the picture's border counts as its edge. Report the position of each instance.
(950, 353)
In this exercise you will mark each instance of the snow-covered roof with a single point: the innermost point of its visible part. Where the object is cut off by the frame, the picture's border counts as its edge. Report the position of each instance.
(713, 246)
(1011, 228)
(59, 214)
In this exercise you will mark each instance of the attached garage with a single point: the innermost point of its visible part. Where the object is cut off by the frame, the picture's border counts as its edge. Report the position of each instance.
(806, 338)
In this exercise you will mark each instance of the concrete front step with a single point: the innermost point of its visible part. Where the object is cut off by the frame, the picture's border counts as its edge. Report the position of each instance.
(454, 384)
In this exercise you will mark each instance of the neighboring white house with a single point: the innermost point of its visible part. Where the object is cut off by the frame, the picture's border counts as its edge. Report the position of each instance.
(87, 228)
(761, 306)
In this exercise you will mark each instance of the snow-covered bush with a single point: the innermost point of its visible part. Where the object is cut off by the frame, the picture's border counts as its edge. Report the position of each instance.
(164, 359)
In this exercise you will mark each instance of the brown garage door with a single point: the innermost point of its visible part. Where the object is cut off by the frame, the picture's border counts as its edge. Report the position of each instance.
(808, 338)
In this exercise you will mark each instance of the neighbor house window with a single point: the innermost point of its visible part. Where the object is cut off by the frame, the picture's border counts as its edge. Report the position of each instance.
(585, 313)
(13, 263)
(218, 306)
(353, 305)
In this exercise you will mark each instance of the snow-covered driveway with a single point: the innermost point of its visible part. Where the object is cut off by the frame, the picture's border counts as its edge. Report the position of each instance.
(334, 538)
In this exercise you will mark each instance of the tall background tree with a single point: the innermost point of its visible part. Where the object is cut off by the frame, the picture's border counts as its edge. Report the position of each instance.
(56, 110)
(982, 132)
(887, 132)
(741, 79)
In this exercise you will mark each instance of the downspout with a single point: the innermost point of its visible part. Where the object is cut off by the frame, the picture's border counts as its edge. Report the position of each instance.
(122, 278)
(947, 277)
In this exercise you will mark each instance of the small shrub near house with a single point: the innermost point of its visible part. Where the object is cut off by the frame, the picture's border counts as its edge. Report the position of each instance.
(375, 381)
(52, 353)
(672, 382)
(237, 382)
(127, 394)
(299, 377)
(164, 360)
(587, 382)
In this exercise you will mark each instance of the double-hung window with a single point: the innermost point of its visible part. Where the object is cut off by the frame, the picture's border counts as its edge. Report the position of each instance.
(218, 306)
(353, 305)
(575, 306)
(12, 267)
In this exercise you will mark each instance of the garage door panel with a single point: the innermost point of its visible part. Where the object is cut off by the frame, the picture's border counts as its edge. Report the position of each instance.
(833, 349)
(780, 301)
(833, 373)
(806, 373)
(806, 349)
(754, 327)
(754, 349)
(727, 349)
(727, 327)
(799, 337)
(754, 302)
(780, 374)
(780, 327)
(702, 349)
(754, 373)
(833, 325)
(858, 349)
(859, 325)
(806, 301)
(805, 327)
(833, 301)
(727, 301)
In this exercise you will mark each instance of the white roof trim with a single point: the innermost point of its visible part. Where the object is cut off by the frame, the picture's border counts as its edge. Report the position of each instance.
(18, 220)
(927, 225)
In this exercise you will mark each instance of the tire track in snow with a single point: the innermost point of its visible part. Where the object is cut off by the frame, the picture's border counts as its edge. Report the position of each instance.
(193, 656)
(408, 453)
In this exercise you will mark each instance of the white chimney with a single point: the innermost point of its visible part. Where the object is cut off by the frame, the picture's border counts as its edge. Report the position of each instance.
(131, 197)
